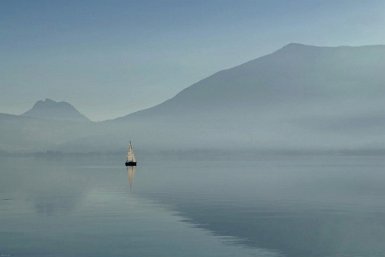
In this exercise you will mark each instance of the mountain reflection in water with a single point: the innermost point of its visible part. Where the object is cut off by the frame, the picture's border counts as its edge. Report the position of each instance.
(313, 206)
(80, 207)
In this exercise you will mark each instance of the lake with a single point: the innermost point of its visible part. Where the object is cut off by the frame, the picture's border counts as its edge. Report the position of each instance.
(188, 205)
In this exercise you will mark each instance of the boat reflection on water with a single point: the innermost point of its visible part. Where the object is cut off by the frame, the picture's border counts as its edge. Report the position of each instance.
(131, 175)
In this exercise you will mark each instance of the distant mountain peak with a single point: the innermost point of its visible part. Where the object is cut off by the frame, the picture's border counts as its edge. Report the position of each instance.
(48, 101)
(294, 44)
(298, 47)
(53, 110)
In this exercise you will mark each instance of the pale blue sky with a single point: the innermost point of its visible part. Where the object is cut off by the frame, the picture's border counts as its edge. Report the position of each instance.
(110, 58)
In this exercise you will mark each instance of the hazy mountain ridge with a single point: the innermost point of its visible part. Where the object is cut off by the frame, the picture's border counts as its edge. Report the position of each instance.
(42, 128)
(49, 109)
(25, 135)
(294, 73)
(299, 97)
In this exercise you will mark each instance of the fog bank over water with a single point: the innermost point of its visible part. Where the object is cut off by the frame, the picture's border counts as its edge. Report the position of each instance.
(298, 98)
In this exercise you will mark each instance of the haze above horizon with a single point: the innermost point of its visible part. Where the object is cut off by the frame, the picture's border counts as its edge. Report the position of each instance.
(111, 59)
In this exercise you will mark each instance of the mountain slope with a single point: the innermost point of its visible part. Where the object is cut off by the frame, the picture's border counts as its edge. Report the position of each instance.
(296, 73)
(47, 125)
(49, 109)
(297, 97)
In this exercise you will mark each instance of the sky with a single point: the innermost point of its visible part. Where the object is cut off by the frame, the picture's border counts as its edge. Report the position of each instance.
(111, 58)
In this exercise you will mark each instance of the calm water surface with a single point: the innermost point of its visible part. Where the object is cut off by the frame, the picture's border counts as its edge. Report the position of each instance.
(296, 206)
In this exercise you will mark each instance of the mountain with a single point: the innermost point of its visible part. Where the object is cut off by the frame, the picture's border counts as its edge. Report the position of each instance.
(296, 74)
(52, 110)
(44, 127)
(299, 98)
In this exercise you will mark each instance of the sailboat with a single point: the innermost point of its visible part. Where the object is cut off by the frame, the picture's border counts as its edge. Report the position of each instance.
(131, 161)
